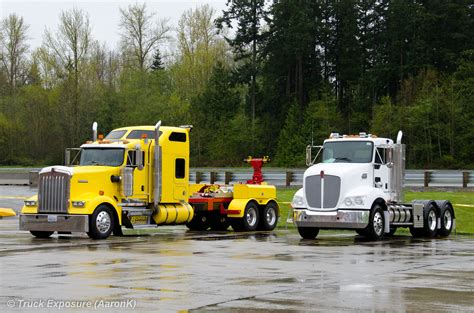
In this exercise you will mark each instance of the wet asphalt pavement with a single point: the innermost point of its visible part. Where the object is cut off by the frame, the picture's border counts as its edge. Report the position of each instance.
(178, 270)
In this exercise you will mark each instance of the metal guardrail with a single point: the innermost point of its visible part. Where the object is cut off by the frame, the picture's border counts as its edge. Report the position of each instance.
(275, 176)
(294, 177)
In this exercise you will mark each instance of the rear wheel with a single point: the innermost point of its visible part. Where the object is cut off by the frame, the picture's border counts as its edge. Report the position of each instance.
(41, 234)
(101, 223)
(198, 223)
(308, 232)
(431, 218)
(249, 221)
(447, 220)
(219, 223)
(269, 218)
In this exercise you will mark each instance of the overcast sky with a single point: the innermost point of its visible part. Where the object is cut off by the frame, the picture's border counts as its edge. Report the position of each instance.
(104, 14)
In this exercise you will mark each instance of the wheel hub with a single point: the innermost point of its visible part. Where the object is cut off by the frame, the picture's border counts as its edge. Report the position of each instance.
(270, 217)
(103, 222)
(251, 217)
(378, 223)
(432, 220)
(448, 220)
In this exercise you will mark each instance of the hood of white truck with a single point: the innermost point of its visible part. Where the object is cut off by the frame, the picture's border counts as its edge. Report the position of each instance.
(340, 180)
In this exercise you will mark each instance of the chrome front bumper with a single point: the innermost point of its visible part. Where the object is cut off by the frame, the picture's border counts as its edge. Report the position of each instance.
(346, 219)
(54, 222)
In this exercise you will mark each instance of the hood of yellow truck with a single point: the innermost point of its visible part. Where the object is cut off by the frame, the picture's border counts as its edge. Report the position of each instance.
(89, 179)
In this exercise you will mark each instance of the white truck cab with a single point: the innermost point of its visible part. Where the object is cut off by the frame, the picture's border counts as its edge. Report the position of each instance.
(359, 185)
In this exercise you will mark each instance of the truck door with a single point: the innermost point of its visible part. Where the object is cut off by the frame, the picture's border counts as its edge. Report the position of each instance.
(140, 174)
(381, 170)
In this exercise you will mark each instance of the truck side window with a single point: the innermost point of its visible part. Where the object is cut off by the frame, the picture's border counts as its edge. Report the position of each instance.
(380, 156)
(180, 169)
(179, 137)
(131, 158)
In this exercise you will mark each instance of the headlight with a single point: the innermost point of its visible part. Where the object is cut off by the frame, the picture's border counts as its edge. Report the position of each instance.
(348, 201)
(78, 204)
(297, 202)
(30, 203)
(354, 201)
(359, 201)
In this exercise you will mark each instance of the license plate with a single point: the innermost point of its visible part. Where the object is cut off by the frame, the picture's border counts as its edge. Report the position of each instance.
(52, 218)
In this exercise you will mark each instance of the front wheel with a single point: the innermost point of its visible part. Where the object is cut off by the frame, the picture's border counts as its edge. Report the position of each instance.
(375, 229)
(41, 234)
(308, 232)
(101, 223)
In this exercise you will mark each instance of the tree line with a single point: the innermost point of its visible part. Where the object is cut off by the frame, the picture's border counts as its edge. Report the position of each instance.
(260, 78)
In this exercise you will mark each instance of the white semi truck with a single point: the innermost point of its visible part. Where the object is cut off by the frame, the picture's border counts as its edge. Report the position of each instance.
(359, 185)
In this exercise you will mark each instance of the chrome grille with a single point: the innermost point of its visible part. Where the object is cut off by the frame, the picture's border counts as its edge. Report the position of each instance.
(331, 189)
(53, 192)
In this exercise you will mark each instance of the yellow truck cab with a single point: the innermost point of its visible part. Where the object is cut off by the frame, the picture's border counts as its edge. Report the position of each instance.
(126, 180)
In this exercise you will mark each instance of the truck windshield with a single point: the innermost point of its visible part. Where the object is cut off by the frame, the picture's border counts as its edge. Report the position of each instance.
(103, 156)
(348, 152)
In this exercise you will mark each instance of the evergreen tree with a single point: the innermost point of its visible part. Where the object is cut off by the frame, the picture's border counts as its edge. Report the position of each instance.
(157, 63)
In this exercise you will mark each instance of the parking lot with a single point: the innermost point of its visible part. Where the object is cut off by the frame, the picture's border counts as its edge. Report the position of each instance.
(174, 269)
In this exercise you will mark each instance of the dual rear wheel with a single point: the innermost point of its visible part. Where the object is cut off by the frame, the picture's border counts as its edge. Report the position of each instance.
(256, 218)
(431, 213)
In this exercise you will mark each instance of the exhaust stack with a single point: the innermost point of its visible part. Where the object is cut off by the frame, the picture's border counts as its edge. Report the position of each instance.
(157, 168)
(94, 131)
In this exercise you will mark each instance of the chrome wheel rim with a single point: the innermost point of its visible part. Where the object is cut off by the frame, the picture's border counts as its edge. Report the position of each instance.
(448, 220)
(251, 216)
(270, 217)
(432, 220)
(103, 222)
(378, 223)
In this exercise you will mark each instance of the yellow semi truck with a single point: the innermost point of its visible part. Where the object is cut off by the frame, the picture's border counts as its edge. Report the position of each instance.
(138, 177)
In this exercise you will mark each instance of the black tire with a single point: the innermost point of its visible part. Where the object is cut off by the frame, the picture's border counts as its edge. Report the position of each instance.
(375, 229)
(430, 215)
(198, 223)
(219, 223)
(269, 217)
(308, 232)
(447, 220)
(249, 221)
(41, 234)
(101, 223)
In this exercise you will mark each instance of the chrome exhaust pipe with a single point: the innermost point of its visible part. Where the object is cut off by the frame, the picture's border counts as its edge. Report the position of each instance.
(157, 168)
(94, 131)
